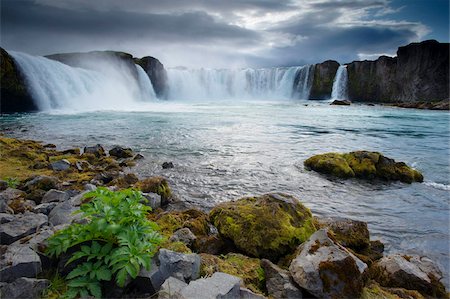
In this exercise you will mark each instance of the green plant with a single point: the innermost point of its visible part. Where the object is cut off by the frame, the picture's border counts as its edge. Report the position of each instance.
(11, 182)
(114, 243)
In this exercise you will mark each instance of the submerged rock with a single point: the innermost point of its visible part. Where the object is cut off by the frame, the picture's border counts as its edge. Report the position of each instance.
(364, 165)
(167, 165)
(341, 103)
(267, 226)
(326, 269)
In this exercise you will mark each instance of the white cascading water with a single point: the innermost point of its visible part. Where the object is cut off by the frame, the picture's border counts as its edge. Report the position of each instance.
(57, 86)
(239, 84)
(303, 82)
(339, 91)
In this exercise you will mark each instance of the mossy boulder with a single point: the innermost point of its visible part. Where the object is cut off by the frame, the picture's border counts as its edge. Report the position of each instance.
(363, 164)
(374, 291)
(268, 226)
(244, 267)
(158, 185)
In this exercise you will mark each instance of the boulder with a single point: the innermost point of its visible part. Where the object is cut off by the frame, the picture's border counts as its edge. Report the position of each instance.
(41, 182)
(185, 267)
(54, 195)
(10, 194)
(219, 285)
(19, 261)
(251, 221)
(409, 272)
(341, 103)
(279, 283)
(148, 282)
(167, 165)
(326, 269)
(60, 165)
(183, 235)
(350, 233)
(158, 185)
(62, 214)
(374, 291)
(364, 165)
(171, 288)
(154, 200)
(121, 152)
(21, 226)
(97, 150)
(30, 288)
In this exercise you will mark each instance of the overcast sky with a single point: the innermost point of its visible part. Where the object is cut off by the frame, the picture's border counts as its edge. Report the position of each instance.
(224, 33)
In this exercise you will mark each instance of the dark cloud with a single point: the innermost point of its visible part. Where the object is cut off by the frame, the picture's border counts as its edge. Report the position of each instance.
(208, 32)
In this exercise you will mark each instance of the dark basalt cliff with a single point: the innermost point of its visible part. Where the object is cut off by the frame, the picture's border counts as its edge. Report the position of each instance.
(156, 72)
(323, 79)
(420, 72)
(14, 95)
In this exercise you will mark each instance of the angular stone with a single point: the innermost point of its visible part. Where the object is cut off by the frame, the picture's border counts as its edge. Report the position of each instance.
(4, 208)
(326, 269)
(21, 226)
(248, 294)
(219, 285)
(279, 283)
(171, 288)
(183, 235)
(154, 200)
(5, 218)
(11, 193)
(54, 195)
(96, 150)
(30, 288)
(121, 152)
(19, 261)
(45, 208)
(148, 282)
(60, 165)
(62, 214)
(185, 267)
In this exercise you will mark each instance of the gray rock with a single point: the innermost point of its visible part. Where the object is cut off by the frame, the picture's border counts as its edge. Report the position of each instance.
(3, 185)
(279, 283)
(4, 208)
(83, 165)
(60, 165)
(19, 261)
(171, 288)
(154, 200)
(63, 213)
(90, 187)
(45, 208)
(148, 282)
(77, 200)
(5, 218)
(321, 266)
(42, 182)
(409, 272)
(11, 193)
(30, 288)
(121, 152)
(21, 226)
(96, 150)
(54, 195)
(183, 235)
(218, 286)
(247, 294)
(185, 267)
(36, 241)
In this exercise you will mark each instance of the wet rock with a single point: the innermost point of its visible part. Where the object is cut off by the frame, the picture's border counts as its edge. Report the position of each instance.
(341, 102)
(326, 269)
(349, 233)
(121, 152)
(54, 195)
(22, 225)
(167, 165)
(364, 165)
(154, 200)
(62, 214)
(60, 165)
(183, 235)
(42, 182)
(171, 288)
(30, 288)
(279, 282)
(409, 272)
(45, 208)
(3, 185)
(219, 285)
(19, 261)
(185, 267)
(97, 150)
(249, 222)
(158, 185)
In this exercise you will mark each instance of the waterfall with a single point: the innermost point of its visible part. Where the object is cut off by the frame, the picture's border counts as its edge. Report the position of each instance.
(303, 82)
(240, 84)
(54, 85)
(145, 85)
(339, 91)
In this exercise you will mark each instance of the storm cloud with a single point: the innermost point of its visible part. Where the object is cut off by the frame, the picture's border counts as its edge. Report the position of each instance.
(211, 33)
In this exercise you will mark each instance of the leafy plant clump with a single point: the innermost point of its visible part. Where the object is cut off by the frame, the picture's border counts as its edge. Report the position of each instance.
(114, 243)
(11, 182)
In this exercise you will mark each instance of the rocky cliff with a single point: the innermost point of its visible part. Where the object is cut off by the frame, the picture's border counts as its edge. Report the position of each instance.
(323, 79)
(14, 94)
(157, 74)
(420, 72)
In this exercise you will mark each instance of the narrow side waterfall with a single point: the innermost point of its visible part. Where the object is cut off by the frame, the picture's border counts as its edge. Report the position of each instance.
(339, 91)
(57, 86)
(303, 82)
(239, 84)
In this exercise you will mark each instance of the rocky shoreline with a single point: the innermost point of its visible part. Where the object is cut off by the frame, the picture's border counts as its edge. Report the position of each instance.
(255, 247)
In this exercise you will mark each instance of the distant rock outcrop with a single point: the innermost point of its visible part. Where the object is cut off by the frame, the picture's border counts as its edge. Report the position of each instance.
(157, 74)
(14, 94)
(323, 79)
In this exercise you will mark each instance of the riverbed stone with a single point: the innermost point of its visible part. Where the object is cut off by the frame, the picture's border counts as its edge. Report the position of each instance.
(54, 195)
(409, 272)
(251, 221)
(279, 283)
(182, 266)
(30, 288)
(21, 226)
(326, 269)
(19, 261)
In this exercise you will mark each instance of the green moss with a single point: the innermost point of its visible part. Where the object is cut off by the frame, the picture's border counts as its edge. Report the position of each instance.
(268, 226)
(331, 163)
(246, 268)
(158, 185)
(176, 246)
